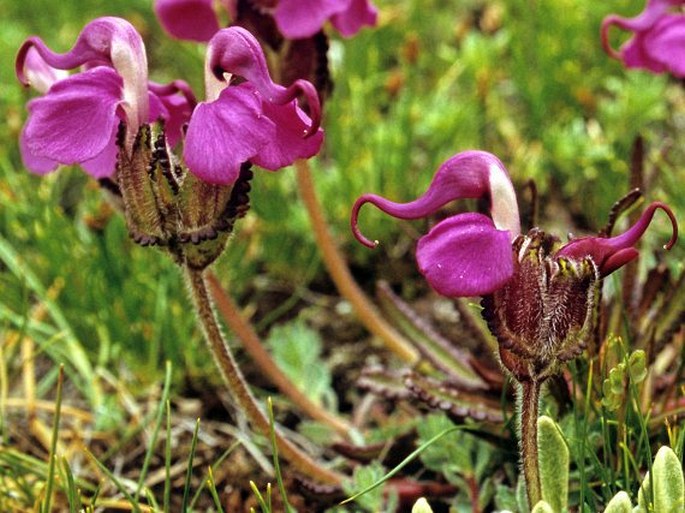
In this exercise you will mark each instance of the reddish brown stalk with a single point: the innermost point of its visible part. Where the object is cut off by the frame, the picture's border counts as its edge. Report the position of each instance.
(340, 274)
(242, 329)
(529, 397)
(223, 357)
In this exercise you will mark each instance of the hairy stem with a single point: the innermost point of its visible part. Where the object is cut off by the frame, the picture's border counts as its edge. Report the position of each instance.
(529, 397)
(253, 345)
(340, 274)
(238, 386)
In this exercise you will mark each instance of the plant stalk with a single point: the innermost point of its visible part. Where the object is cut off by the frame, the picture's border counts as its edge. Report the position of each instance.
(238, 387)
(340, 274)
(530, 404)
(253, 345)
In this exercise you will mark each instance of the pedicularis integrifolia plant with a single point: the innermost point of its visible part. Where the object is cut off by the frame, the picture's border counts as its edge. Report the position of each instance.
(181, 167)
(657, 43)
(539, 295)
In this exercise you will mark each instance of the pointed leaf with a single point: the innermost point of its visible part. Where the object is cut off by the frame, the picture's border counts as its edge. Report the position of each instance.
(619, 504)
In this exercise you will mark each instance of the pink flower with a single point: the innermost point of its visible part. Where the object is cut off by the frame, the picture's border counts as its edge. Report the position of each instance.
(78, 118)
(471, 254)
(196, 20)
(658, 41)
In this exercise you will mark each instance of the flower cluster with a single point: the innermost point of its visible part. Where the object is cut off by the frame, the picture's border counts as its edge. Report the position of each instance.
(77, 118)
(539, 294)
(658, 41)
(196, 20)
(181, 166)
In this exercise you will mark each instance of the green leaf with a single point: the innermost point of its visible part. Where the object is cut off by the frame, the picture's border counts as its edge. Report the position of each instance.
(296, 348)
(421, 506)
(619, 504)
(543, 507)
(554, 464)
(669, 489)
(637, 366)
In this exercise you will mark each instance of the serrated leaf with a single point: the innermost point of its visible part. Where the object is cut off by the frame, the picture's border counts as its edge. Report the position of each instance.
(383, 382)
(439, 351)
(448, 398)
(554, 464)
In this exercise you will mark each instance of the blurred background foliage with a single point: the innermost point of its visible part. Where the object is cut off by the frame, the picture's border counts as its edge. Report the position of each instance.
(526, 80)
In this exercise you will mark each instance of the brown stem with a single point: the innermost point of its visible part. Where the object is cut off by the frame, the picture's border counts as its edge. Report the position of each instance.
(530, 404)
(238, 386)
(337, 267)
(253, 345)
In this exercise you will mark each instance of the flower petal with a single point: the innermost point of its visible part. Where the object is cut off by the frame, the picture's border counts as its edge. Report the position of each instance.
(297, 19)
(110, 41)
(32, 162)
(609, 254)
(39, 73)
(465, 255)
(288, 143)
(225, 133)
(470, 174)
(193, 20)
(349, 21)
(75, 121)
(665, 44)
(235, 51)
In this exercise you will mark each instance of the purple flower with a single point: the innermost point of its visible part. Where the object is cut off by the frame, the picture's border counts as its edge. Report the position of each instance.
(196, 20)
(77, 119)
(471, 254)
(256, 120)
(658, 41)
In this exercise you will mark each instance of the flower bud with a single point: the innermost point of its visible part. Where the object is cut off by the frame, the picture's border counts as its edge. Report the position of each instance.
(543, 315)
(165, 205)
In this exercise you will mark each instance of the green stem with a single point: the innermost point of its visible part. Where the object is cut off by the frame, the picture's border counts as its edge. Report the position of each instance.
(530, 404)
(238, 387)
(241, 328)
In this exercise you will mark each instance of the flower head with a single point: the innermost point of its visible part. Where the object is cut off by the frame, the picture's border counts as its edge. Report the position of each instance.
(196, 20)
(108, 118)
(470, 254)
(255, 120)
(76, 120)
(658, 41)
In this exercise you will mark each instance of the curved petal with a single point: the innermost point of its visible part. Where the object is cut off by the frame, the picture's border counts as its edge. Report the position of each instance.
(298, 19)
(235, 51)
(360, 13)
(39, 73)
(225, 133)
(470, 174)
(609, 254)
(287, 145)
(109, 40)
(75, 121)
(192, 20)
(465, 255)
